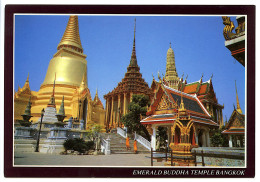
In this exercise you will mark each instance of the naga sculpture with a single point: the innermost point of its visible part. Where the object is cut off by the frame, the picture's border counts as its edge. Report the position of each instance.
(229, 26)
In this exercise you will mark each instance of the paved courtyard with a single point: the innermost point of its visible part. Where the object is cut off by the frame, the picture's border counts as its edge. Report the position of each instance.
(26, 158)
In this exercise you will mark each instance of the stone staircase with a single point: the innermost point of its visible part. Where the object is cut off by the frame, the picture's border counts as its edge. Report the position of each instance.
(117, 144)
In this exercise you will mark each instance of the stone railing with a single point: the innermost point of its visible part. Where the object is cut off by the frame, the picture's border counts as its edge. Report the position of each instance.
(105, 146)
(219, 156)
(121, 132)
(143, 141)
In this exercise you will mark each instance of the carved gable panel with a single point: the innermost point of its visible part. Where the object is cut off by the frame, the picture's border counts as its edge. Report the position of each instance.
(164, 103)
(237, 123)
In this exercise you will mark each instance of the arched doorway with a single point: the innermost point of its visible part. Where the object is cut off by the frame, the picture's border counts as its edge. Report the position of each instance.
(192, 139)
(85, 111)
(201, 138)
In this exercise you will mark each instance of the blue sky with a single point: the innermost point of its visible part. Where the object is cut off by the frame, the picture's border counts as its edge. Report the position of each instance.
(197, 42)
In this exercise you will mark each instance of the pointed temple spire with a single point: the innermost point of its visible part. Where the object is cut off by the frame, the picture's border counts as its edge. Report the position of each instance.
(71, 38)
(238, 105)
(61, 110)
(26, 84)
(27, 80)
(96, 92)
(52, 99)
(133, 61)
(61, 114)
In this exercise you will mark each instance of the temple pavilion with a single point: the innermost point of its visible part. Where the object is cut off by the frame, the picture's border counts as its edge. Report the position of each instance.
(187, 120)
(117, 100)
(188, 110)
(202, 89)
(235, 128)
(68, 68)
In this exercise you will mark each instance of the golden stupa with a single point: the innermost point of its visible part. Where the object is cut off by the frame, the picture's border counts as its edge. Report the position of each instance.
(68, 68)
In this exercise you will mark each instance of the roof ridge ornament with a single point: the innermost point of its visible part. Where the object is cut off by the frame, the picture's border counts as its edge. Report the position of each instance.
(238, 105)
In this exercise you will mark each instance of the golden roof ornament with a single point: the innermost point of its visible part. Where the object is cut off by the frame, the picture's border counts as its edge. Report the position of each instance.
(201, 78)
(159, 77)
(229, 26)
(238, 105)
(182, 111)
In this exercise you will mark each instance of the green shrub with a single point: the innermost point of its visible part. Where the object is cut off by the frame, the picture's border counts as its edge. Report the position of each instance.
(78, 144)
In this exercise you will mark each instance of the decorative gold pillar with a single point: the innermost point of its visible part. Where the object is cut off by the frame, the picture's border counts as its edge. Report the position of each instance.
(125, 100)
(118, 109)
(131, 96)
(107, 114)
(112, 111)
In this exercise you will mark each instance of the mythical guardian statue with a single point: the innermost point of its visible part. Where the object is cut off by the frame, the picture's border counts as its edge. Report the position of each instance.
(229, 26)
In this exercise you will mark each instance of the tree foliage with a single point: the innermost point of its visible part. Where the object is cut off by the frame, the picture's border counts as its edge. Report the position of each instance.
(137, 108)
(218, 139)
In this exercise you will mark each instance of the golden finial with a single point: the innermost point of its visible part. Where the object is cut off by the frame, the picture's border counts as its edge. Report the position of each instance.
(159, 77)
(27, 80)
(186, 77)
(152, 76)
(182, 110)
(201, 78)
(238, 106)
(170, 45)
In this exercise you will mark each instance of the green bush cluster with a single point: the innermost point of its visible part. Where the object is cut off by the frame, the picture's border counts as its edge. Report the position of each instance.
(78, 144)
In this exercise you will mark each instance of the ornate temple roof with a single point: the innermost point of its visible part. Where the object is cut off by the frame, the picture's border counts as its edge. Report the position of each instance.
(204, 90)
(97, 101)
(171, 100)
(133, 81)
(236, 123)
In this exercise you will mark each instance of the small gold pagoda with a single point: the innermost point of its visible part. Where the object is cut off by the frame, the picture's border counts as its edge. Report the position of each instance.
(68, 68)
(171, 75)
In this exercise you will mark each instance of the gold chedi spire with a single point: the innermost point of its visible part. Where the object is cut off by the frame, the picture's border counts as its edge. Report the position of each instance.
(71, 36)
(68, 62)
(171, 75)
(238, 105)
